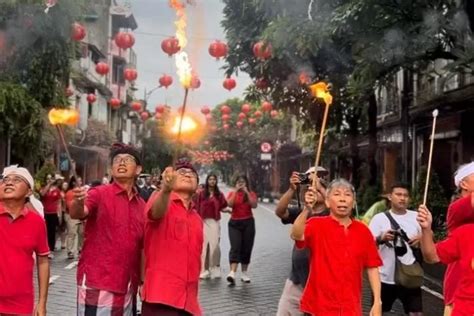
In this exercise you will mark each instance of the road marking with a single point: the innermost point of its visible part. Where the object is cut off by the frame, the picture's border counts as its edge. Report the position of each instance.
(266, 208)
(53, 278)
(434, 293)
(71, 266)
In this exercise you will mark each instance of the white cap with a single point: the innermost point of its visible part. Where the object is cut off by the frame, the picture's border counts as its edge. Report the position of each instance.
(462, 172)
(320, 169)
(19, 171)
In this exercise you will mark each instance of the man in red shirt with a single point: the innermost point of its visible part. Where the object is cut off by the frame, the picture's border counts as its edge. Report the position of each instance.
(173, 245)
(22, 234)
(458, 247)
(341, 248)
(109, 266)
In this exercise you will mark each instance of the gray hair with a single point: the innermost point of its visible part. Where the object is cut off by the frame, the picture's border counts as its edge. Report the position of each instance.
(340, 183)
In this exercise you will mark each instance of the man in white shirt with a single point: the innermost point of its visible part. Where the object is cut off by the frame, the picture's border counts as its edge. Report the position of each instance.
(388, 239)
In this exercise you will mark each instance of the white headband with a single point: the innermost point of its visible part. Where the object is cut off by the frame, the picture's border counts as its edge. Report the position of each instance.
(22, 172)
(462, 172)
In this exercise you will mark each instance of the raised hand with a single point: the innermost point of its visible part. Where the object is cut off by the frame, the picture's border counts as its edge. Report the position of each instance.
(424, 217)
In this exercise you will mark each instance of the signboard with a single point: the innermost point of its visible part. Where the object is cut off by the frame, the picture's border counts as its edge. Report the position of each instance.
(266, 147)
(265, 156)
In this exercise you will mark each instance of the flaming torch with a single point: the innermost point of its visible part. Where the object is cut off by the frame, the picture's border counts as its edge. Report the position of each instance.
(57, 117)
(320, 90)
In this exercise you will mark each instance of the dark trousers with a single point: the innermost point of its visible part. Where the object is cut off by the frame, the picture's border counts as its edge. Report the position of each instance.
(52, 222)
(151, 309)
(241, 236)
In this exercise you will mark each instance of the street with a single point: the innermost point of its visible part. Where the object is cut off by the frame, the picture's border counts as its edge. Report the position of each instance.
(269, 268)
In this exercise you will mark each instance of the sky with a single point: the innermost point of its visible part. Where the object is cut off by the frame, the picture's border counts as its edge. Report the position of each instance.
(155, 21)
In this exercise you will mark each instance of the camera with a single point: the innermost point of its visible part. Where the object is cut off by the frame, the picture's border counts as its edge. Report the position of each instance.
(402, 234)
(304, 178)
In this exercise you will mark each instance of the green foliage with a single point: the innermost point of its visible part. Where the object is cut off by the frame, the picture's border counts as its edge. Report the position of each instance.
(98, 134)
(156, 150)
(40, 176)
(369, 196)
(437, 201)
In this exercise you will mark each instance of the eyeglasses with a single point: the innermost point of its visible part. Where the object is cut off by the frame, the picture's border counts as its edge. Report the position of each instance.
(14, 180)
(128, 160)
(186, 171)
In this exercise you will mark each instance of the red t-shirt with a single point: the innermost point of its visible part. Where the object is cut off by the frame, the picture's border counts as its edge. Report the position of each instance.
(19, 240)
(210, 207)
(241, 209)
(113, 239)
(338, 258)
(173, 246)
(51, 201)
(460, 212)
(459, 247)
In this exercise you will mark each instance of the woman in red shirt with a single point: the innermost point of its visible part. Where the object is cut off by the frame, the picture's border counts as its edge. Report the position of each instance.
(51, 199)
(209, 204)
(241, 228)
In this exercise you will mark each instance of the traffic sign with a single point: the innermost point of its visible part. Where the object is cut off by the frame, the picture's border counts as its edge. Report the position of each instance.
(266, 147)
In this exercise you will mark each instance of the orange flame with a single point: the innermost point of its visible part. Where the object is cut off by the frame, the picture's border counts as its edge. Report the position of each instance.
(192, 129)
(63, 116)
(182, 62)
(321, 90)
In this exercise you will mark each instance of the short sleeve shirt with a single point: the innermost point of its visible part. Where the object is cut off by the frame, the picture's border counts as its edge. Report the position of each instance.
(459, 247)
(19, 240)
(211, 206)
(338, 257)
(241, 209)
(51, 201)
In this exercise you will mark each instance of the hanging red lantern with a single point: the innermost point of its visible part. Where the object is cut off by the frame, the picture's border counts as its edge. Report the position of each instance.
(262, 50)
(69, 92)
(205, 110)
(136, 105)
(261, 84)
(225, 117)
(195, 82)
(246, 108)
(158, 116)
(160, 109)
(225, 109)
(114, 103)
(257, 114)
(266, 106)
(252, 121)
(226, 126)
(208, 116)
(78, 32)
(91, 98)
(124, 40)
(102, 68)
(242, 116)
(170, 46)
(274, 113)
(229, 83)
(165, 81)
(240, 124)
(218, 49)
(130, 74)
(144, 115)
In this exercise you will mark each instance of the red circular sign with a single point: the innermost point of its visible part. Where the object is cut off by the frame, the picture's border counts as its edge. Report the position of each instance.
(266, 147)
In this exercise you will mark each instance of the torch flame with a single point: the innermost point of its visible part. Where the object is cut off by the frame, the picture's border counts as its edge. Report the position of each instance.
(321, 90)
(188, 125)
(63, 116)
(182, 61)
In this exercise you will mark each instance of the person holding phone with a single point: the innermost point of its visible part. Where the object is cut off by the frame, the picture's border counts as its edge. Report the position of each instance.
(241, 228)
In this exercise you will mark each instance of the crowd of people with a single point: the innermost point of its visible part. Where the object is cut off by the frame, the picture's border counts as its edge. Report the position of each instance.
(168, 228)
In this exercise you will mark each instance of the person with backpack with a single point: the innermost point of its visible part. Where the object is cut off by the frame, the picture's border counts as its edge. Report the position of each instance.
(397, 234)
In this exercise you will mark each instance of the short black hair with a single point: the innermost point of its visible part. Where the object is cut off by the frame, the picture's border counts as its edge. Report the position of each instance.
(120, 148)
(400, 185)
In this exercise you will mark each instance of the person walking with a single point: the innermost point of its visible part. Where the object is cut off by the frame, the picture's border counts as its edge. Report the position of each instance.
(209, 204)
(241, 228)
(22, 235)
(108, 273)
(74, 226)
(51, 199)
(173, 246)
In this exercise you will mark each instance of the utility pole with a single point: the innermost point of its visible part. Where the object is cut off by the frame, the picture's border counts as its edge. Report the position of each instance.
(404, 124)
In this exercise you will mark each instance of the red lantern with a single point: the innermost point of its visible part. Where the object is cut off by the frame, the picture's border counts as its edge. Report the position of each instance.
(136, 106)
(252, 121)
(165, 81)
(274, 113)
(91, 98)
(257, 114)
(69, 92)
(225, 117)
(262, 50)
(114, 103)
(226, 126)
(158, 115)
(160, 109)
(245, 108)
(242, 116)
(240, 124)
(102, 68)
(229, 84)
(225, 109)
(208, 116)
(78, 32)
(266, 106)
(195, 82)
(205, 110)
(218, 49)
(130, 74)
(144, 115)
(170, 46)
(261, 84)
(124, 40)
